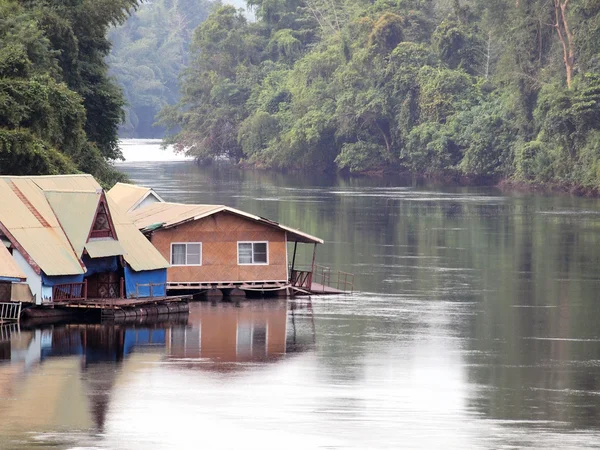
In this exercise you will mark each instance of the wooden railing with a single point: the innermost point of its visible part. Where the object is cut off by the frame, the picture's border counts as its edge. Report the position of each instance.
(301, 279)
(323, 276)
(10, 312)
(69, 291)
(342, 281)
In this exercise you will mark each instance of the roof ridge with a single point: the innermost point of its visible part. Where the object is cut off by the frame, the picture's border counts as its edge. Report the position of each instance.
(29, 205)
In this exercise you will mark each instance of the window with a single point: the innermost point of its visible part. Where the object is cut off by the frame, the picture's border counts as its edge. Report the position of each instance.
(252, 253)
(186, 254)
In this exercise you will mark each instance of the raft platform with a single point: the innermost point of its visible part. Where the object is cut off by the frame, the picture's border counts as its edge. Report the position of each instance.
(120, 303)
(108, 309)
(318, 289)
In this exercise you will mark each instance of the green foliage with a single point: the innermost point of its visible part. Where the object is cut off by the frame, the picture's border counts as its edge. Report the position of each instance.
(457, 45)
(361, 156)
(387, 32)
(59, 111)
(429, 148)
(22, 153)
(473, 87)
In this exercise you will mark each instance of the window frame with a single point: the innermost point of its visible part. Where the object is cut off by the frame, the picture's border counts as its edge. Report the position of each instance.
(186, 254)
(253, 263)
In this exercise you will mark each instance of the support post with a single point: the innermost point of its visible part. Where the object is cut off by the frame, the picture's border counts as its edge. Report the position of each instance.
(312, 269)
(294, 256)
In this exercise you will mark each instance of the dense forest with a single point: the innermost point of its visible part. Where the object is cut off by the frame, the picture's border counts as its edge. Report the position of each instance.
(149, 51)
(477, 89)
(59, 110)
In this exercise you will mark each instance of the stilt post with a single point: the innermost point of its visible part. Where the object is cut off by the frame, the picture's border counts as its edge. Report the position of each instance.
(312, 269)
(293, 261)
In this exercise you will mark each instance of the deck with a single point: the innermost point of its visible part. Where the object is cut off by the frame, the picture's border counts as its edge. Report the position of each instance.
(242, 285)
(318, 289)
(321, 280)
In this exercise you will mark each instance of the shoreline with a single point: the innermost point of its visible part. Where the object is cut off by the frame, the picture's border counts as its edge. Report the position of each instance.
(446, 179)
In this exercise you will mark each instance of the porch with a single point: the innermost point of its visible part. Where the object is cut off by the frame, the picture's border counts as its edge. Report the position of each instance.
(75, 295)
(317, 279)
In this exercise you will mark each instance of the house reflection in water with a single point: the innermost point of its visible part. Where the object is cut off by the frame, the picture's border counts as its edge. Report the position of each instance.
(222, 335)
(63, 378)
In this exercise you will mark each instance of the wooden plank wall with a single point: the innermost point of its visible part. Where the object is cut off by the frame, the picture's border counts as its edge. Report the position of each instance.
(219, 235)
(5, 290)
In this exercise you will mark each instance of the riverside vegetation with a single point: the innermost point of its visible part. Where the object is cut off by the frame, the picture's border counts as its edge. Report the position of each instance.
(508, 89)
(59, 110)
(503, 90)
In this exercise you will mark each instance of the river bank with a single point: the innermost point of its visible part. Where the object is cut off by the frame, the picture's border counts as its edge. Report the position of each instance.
(150, 150)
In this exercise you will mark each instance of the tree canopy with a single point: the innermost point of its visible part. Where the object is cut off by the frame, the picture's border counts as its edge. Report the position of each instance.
(502, 89)
(59, 110)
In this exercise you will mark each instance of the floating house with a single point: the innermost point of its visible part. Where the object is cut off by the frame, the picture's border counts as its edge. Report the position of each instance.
(215, 246)
(73, 243)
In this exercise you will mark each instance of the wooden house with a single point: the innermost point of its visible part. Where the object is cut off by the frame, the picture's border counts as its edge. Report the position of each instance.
(71, 242)
(218, 247)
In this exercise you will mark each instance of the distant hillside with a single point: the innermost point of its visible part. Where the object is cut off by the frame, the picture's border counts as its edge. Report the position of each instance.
(149, 52)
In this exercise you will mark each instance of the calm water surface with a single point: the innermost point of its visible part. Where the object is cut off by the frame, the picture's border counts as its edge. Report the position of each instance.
(475, 324)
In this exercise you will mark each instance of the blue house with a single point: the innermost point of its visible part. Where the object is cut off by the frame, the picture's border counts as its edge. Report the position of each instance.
(72, 243)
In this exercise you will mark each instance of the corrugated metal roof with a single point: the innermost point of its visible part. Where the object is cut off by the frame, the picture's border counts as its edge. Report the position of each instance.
(128, 196)
(8, 266)
(172, 214)
(79, 183)
(140, 254)
(101, 248)
(51, 217)
(48, 250)
(28, 217)
(75, 212)
(169, 214)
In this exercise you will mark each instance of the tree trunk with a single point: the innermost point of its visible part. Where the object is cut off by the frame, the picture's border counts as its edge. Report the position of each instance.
(565, 36)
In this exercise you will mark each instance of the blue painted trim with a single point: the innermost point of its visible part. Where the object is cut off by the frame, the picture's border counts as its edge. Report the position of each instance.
(11, 280)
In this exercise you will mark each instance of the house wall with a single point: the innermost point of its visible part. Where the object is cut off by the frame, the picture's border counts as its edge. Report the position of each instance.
(5, 290)
(21, 293)
(219, 235)
(33, 279)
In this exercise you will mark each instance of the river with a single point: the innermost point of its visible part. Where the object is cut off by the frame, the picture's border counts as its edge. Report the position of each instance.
(475, 324)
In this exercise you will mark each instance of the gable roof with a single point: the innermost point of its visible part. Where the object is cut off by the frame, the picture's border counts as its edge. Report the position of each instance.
(167, 215)
(27, 219)
(130, 196)
(49, 218)
(8, 266)
(75, 225)
(140, 254)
